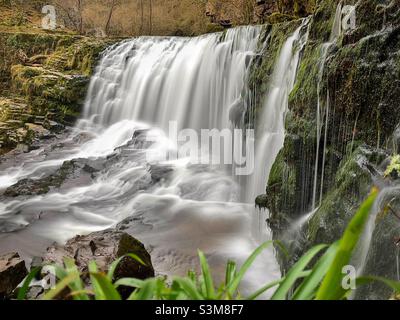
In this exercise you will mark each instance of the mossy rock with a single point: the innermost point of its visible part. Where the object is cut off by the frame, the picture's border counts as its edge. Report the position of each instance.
(359, 90)
(214, 27)
(79, 57)
(353, 183)
(278, 17)
(364, 81)
(296, 7)
(50, 70)
(48, 90)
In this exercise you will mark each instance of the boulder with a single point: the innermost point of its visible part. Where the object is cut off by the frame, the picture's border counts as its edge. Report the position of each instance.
(12, 273)
(104, 248)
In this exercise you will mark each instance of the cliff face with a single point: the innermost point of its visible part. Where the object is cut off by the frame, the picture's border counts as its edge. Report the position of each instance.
(341, 134)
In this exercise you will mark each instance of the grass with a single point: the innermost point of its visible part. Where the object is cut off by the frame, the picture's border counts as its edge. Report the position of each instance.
(323, 281)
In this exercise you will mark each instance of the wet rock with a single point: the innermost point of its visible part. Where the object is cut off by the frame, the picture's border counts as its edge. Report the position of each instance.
(12, 272)
(74, 169)
(83, 137)
(160, 172)
(23, 148)
(35, 293)
(27, 187)
(262, 201)
(36, 262)
(53, 126)
(38, 130)
(104, 248)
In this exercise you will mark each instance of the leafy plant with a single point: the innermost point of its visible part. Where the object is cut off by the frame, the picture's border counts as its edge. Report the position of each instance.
(322, 282)
(394, 166)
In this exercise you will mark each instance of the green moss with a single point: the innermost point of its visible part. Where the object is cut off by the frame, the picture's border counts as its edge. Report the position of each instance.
(304, 94)
(361, 80)
(394, 167)
(352, 184)
(49, 90)
(213, 27)
(79, 57)
(322, 21)
(304, 7)
(60, 85)
(4, 109)
(32, 43)
(278, 17)
(300, 8)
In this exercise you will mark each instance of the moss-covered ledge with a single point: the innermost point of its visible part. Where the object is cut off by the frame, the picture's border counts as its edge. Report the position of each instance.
(48, 72)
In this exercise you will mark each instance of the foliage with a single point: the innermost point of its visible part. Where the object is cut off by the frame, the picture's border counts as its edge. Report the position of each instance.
(322, 282)
(394, 166)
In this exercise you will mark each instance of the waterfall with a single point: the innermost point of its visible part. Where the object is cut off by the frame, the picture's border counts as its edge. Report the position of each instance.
(323, 111)
(193, 81)
(271, 124)
(119, 178)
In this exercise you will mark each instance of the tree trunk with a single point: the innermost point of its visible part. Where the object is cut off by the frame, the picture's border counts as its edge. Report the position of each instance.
(141, 18)
(80, 18)
(110, 16)
(150, 17)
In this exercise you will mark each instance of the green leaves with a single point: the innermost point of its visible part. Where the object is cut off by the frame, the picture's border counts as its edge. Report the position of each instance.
(234, 284)
(25, 286)
(322, 282)
(189, 288)
(306, 291)
(331, 287)
(106, 288)
(115, 264)
(209, 293)
(76, 284)
(293, 275)
(230, 273)
(62, 285)
(99, 294)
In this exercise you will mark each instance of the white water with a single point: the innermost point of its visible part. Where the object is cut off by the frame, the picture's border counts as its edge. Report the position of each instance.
(138, 88)
(271, 125)
(194, 81)
(324, 109)
(384, 198)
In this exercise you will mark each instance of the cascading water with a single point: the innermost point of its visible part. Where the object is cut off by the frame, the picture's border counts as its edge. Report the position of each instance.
(322, 120)
(323, 110)
(193, 81)
(271, 125)
(173, 206)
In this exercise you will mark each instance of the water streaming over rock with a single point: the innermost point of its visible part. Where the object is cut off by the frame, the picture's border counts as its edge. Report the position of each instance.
(109, 171)
(323, 109)
(194, 81)
(381, 232)
(271, 124)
